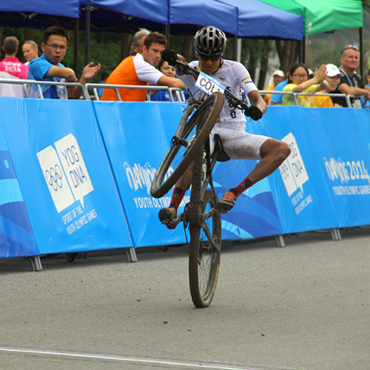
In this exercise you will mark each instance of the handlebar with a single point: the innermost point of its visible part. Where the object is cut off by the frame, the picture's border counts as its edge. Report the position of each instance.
(252, 111)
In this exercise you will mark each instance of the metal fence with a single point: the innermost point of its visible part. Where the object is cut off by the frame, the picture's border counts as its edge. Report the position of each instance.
(178, 92)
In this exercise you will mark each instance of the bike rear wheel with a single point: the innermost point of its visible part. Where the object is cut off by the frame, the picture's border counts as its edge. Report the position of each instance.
(179, 157)
(204, 257)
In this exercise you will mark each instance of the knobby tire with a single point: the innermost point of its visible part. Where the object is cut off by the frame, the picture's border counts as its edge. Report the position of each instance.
(208, 112)
(204, 259)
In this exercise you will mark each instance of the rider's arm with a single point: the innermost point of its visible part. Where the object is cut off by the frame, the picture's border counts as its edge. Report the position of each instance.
(258, 101)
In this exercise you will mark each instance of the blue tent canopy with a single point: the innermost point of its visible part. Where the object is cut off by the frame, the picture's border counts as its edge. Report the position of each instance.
(259, 20)
(123, 15)
(68, 8)
(243, 18)
(149, 10)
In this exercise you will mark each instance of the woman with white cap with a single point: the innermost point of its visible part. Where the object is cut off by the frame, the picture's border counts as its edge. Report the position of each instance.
(333, 75)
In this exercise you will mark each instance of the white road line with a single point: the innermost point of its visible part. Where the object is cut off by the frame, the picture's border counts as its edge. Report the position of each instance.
(120, 358)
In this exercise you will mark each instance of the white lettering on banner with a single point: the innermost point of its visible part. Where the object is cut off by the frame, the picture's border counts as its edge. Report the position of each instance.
(74, 225)
(140, 177)
(293, 170)
(74, 165)
(301, 206)
(149, 202)
(348, 172)
(209, 84)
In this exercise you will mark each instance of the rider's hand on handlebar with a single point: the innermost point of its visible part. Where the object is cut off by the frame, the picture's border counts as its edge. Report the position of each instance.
(254, 113)
(170, 57)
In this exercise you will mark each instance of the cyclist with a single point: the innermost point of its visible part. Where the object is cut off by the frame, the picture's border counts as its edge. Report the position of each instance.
(210, 45)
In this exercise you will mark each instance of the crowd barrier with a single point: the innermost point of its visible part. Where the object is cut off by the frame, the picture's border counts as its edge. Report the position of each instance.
(64, 177)
(76, 175)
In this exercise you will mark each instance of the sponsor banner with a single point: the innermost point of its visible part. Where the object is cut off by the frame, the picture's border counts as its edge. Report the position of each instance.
(137, 140)
(65, 178)
(137, 137)
(16, 235)
(298, 186)
(339, 140)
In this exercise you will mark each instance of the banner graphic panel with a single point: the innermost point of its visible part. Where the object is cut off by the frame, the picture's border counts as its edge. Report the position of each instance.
(137, 137)
(16, 235)
(65, 176)
(301, 198)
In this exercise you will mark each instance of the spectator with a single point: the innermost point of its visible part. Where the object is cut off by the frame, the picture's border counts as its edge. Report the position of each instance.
(333, 75)
(49, 67)
(277, 99)
(351, 83)
(30, 51)
(138, 41)
(299, 82)
(368, 78)
(140, 70)
(12, 68)
(278, 77)
(104, 78)
(163, 95)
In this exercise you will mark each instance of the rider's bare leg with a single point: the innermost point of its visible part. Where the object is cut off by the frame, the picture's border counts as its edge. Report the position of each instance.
(273, 153)
(166, 215)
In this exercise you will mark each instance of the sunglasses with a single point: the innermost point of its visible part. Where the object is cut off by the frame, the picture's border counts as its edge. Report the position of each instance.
(350, 47)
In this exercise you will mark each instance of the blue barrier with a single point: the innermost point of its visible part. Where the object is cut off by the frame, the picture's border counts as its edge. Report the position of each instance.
(137, 137)
(325, 179)
(64, 175)
(65, 160)
(16, 236)
(297, 198)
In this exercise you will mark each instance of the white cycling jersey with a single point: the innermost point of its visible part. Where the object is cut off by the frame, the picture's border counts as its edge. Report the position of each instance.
(232, 75)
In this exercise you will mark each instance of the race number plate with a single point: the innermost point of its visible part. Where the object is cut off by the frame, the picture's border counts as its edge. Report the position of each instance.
(209, 84)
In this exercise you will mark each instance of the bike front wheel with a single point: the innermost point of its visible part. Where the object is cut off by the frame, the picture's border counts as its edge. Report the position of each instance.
(186, 145)
(204, 257)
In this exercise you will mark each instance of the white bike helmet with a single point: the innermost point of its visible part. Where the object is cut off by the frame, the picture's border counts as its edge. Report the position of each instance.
(210, 41)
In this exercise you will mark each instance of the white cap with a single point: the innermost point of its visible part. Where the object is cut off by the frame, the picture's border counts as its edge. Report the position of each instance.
(332, 71)
(279, 73)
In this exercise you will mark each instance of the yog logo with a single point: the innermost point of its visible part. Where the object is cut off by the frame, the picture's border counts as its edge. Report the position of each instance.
(65, 172)
(293, 170)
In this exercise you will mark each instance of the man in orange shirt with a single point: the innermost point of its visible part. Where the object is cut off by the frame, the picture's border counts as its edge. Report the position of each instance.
(140, 70)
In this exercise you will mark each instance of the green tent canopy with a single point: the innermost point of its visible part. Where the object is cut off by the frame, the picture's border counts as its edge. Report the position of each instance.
(323, 15)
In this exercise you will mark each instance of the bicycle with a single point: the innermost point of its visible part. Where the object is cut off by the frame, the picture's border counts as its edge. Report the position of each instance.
(201, 213)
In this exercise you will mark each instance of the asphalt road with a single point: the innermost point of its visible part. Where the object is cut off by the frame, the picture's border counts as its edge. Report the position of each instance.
(301, 307)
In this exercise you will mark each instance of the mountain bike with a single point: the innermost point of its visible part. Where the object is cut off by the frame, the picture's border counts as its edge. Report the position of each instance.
(189, 145)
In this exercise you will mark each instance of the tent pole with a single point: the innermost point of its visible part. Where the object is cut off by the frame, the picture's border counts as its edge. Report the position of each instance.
(87, 33)
(304, 50)
(167, 30)
(239, 50)
(361, 52)
(76, 46)
(235, 48)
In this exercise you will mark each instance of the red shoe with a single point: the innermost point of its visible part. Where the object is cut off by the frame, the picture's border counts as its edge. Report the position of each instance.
(167, 216)
(227, 202)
